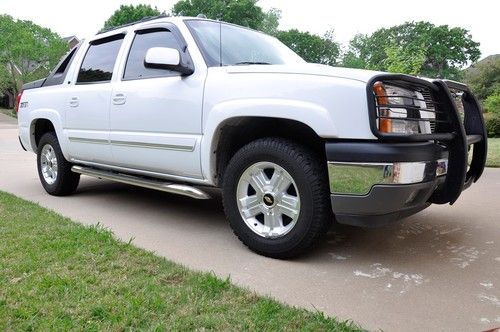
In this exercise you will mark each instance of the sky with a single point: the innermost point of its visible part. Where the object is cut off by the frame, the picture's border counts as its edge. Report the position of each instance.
(346, 17)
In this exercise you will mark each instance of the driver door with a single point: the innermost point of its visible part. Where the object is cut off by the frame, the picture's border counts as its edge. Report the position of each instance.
(155, 117)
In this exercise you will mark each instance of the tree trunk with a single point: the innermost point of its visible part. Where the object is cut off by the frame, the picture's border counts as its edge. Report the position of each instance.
(11, 99)
(16, 86)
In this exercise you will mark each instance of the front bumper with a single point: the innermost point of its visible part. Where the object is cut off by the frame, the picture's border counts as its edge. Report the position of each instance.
(379, 181)
(367, 192)
(350, 178)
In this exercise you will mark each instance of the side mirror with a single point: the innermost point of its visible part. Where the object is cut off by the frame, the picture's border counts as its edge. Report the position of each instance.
(166, 58)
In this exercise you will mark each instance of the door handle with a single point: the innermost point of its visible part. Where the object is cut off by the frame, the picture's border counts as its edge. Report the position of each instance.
(74, 102)
(119, 99)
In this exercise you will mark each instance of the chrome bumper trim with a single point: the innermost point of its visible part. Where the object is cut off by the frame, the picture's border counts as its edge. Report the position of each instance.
(358, 178)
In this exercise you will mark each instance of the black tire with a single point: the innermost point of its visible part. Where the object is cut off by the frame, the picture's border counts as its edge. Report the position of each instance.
(66, 181)
(309, 172)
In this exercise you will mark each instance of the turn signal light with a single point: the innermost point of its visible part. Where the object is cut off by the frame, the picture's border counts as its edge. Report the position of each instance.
(384, 125)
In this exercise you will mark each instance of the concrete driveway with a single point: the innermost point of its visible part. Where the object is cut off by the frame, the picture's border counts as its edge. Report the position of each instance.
(439, 270)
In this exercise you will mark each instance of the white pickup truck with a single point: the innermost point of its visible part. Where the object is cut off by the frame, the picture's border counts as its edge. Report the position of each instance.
(179, 104)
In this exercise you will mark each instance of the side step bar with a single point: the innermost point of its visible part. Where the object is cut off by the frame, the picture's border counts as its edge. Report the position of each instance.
(168, 187)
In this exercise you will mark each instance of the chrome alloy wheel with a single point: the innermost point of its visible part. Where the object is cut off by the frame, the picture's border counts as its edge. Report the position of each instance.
(268, 199)
(48, 163)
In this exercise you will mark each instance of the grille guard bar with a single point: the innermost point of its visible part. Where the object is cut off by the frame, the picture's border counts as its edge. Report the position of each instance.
(463, 134)
(475, 130)
(469, 132)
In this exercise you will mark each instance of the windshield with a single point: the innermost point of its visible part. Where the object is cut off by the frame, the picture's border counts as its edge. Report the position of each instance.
(227, 45)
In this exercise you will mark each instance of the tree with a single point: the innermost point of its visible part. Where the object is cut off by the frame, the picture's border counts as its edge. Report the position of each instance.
(242, 12)
(434, 51)
(355, 56)
(271, 22)
(27, 52)
(312, 48)
(130, 13)
(401, 60)
(6, 85)
(484, 77)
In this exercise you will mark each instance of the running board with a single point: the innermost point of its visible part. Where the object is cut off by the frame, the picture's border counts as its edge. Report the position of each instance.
(168, 187)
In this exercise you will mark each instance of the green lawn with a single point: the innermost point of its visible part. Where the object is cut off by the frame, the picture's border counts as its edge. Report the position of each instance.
(56, 274)
(493, 159)
(8, 111)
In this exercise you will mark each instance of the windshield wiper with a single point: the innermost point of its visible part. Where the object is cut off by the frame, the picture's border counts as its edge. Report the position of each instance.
(251, 63)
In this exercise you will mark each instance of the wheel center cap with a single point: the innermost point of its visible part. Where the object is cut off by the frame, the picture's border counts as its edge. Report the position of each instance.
(268, 199)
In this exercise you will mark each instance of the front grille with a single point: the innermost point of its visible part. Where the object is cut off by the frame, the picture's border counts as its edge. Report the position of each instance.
(430, 105)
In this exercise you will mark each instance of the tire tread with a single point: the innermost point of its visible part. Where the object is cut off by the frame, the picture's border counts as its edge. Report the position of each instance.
(313, 168)
(67, 181)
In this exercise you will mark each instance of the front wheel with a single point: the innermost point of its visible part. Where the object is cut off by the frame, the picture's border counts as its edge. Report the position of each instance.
(54, 170)
(276, 197)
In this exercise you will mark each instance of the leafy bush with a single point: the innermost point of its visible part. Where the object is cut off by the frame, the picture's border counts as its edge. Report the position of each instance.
(492, 121)
(492, 103)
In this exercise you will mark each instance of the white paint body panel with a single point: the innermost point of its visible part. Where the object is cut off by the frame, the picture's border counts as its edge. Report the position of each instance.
(162, 117)
(87, 125)
(168, 127)
(47, 103)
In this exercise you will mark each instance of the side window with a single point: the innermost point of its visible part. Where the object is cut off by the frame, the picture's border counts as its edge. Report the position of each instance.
(64, 64)
(59, 73)
(144, 40)
(97, 66)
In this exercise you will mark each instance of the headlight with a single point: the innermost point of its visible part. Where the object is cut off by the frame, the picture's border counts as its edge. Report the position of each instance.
(401, 110)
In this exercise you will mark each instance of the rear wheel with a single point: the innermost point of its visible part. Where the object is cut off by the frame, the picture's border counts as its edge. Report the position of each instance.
(276, 197)
(53, 170)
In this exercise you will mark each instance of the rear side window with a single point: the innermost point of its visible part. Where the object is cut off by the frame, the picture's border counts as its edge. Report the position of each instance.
(97, 66)
(59, 73)
(64, 64)
(144, 40)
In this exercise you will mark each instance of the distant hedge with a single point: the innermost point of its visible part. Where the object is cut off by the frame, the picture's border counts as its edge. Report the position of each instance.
(492, 121)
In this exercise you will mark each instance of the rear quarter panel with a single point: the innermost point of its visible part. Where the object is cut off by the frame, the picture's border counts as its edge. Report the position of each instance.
(43, 103)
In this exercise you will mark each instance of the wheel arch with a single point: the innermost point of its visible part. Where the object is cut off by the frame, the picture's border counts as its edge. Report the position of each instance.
(312, 117)
(38, 128)
(233, 133)
(43, 121)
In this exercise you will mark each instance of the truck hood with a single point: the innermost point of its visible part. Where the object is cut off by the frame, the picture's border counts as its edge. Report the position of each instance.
(306, 69)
